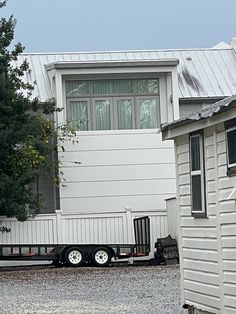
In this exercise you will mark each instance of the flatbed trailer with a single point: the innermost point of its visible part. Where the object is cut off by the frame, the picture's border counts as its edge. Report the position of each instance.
(78, 254)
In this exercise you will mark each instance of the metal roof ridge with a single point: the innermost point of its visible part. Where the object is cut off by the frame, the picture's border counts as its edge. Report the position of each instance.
(126, 51)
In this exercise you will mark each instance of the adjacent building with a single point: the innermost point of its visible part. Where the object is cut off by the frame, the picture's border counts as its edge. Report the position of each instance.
(120, 169)
(205, 154)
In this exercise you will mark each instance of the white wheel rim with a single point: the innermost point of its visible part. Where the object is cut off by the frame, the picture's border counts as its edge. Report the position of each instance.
(75, 257)
(101, 257)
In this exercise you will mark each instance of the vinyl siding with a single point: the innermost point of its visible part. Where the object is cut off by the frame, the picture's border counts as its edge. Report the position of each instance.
(227, 225)
(200, 268)
(117, 169)
(208, 244)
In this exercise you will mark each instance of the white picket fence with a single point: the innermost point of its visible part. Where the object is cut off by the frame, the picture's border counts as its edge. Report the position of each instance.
(96, 228)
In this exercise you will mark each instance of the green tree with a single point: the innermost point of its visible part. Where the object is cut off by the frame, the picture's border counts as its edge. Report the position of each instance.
(27, 132)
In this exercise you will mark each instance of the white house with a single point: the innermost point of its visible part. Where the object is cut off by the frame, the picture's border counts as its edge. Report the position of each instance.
(117, 100)
(205, 153)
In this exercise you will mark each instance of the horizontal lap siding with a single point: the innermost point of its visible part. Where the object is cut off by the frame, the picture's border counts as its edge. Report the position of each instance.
(228, 226)
(199, 236)
(117, 169)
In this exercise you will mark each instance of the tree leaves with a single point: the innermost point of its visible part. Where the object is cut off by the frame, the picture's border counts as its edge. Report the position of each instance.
(28, 133)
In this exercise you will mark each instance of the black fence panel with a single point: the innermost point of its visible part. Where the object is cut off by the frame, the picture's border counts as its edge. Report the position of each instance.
(142, 234)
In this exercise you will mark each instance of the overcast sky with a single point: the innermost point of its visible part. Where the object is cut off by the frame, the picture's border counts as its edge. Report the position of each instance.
(85, 25)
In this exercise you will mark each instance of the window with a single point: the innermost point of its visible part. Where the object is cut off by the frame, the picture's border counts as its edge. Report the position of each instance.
(102, 114)
(197, 175)
(147, 113)
(124, 113)
(113, 104)
(78, 113)
(231, 148)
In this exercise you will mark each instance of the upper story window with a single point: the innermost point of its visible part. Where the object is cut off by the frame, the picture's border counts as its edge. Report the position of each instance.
(197, 175)
(231, 146)
(113, 104)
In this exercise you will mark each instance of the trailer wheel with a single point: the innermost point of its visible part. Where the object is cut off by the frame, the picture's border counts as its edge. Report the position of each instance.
(101, 256)
(74, 256)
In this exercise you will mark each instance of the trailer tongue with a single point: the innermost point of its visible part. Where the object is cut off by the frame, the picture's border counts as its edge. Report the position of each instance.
(76, 254)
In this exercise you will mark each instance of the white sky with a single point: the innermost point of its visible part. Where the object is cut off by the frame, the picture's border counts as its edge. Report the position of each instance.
(91, 25)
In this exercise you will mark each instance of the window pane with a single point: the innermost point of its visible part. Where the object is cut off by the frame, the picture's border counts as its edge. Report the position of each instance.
(102, 115)
(124, 112)
(148, 113)
(195, 153)
(78, 115)
(147, 86)
(115, 87)
(196, 193)
(231, 139)
(77, 88)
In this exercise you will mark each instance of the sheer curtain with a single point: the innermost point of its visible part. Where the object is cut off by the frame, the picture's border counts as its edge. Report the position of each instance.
(124, 111)
(102, 111)
(117, 87)
(147, 113)
(78, 115)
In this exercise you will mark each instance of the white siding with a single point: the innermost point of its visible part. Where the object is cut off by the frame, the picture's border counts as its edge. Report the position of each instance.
(227, 226)
(118, 169)
(200, 268)
(208, 244)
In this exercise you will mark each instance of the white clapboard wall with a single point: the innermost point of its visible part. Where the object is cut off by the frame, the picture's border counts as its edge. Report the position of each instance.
(208, 245)
(108, 171)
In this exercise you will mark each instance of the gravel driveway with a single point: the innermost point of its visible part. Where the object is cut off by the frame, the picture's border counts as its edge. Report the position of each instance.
(115, 289)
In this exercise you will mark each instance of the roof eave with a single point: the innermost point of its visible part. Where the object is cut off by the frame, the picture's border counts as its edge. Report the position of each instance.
(111, 64)
(177, 128)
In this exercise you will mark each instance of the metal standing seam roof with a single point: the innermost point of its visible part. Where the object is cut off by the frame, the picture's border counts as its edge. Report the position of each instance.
(201, 114)
(202, 73)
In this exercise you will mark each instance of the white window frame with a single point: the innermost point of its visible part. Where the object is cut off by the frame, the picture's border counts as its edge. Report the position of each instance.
(195, 212)
(230, 166)
(134, 97)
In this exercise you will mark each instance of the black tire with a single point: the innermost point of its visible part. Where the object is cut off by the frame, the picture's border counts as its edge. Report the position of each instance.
(74, 256)
(101, 256)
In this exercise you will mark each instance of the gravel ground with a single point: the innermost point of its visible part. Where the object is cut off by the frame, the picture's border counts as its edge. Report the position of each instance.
(115, 289)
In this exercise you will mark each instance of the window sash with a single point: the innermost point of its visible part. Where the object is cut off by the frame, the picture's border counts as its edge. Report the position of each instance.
(147, 86)
(128, 120)
(112, 87)
(100, 114)
(197, 186)
(140, 120)
(76, 88)
(78, 112)
(231, 155)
